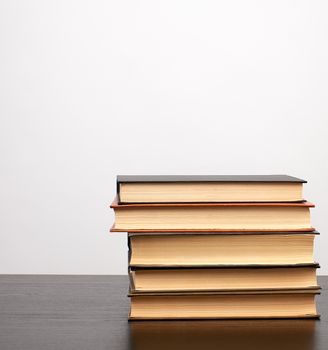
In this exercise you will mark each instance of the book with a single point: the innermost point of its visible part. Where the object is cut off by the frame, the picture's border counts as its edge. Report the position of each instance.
(144, 280)
(270, 304)
(212, 216)
(177, 250)
(217, 247)
(208, 188)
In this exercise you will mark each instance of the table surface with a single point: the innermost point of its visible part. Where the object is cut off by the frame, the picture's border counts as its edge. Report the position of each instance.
(90, 312)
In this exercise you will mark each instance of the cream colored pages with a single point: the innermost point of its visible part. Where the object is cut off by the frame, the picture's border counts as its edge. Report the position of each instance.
(210, 192)
(271, 305)
(211, 218)
(224, 279)
(205, 250)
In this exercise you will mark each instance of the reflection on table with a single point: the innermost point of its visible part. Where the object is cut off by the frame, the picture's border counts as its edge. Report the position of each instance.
(223, 334)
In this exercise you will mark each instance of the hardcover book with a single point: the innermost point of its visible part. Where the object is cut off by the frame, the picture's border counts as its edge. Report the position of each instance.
(270, 304)
(176, 250)
(228, 278)
(212, 216)
(217, 246)
(210, 188)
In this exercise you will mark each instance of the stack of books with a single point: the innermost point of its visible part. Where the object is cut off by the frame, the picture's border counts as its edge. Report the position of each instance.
(203, 247)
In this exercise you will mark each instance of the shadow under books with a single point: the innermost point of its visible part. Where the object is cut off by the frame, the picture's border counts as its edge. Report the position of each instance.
(228, 334)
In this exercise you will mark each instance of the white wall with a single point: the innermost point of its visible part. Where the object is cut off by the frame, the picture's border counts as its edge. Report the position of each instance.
(91, 89)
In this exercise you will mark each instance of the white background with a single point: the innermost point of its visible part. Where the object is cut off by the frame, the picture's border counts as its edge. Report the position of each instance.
(91, 89)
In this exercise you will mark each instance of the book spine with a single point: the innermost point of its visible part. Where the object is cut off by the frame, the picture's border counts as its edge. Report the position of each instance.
(118, 194)
(131, 279)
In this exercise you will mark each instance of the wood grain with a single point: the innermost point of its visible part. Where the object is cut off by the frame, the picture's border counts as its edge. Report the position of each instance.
(90, 312)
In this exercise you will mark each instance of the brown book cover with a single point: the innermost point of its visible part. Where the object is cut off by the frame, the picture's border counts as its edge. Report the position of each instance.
(195, 233)
(192, 206)
(116, 205)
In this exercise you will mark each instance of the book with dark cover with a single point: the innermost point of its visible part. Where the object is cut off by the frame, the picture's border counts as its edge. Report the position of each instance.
(312, 290)
(225, 305)
(173, 233)
(221, 250)
(208, 188)
(223, 278)
(218, 266)
(207, 178)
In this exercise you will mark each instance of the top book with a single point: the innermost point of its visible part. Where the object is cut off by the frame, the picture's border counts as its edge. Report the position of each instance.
(208, 188)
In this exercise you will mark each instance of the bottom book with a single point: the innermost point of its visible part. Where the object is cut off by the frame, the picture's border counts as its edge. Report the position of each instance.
(270, 304)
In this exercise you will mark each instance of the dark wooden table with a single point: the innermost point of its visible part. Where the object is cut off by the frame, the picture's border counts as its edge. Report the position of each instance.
(90, 312)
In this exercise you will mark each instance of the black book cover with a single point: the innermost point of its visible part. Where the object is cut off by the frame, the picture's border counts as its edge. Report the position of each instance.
(207, 178)
(221, 266)
(202, 178)
(312, 290)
